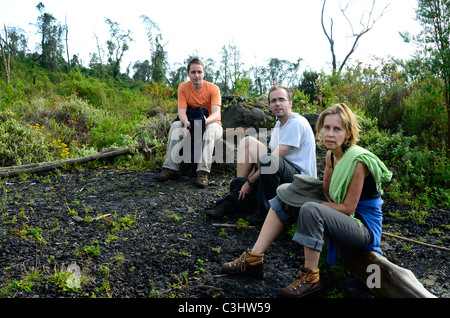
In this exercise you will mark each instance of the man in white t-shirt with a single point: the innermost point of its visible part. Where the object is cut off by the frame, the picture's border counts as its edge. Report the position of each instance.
(261, 169)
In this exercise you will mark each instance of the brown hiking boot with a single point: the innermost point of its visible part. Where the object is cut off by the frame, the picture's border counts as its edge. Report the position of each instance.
(202, 179)
(306, 282)
(249, 263)
(167, 174)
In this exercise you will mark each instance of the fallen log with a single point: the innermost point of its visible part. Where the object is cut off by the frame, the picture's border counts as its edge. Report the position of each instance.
(12, 171)
(394, 281)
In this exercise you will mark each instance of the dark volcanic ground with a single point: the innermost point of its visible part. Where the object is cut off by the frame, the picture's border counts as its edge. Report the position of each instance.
(135, 237)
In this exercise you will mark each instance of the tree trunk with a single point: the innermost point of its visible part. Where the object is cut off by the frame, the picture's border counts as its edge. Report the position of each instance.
(6, 55)
(394, 281)
(13, 171)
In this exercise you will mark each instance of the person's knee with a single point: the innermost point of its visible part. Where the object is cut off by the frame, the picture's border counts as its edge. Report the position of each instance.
(309, 213)
(176, 130)
(213, 132)
(248, 150)
(248, 142)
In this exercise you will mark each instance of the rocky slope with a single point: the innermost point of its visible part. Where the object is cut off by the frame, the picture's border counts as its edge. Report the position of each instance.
(128, 235)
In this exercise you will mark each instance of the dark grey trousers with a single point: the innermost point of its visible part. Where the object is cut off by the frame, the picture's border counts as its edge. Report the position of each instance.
(274, 171)
(316, 221)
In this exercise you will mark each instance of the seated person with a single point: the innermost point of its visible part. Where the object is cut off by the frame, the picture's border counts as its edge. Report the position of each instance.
(193, 95)
(261, 169)
(353, 216)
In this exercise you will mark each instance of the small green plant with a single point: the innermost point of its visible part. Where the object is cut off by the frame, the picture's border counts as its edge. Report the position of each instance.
(243, 224)
(21, 285)
(61, 279)
(104, 270)
(72, 212)
(406, 248)
(122, 223)
(30, 233)
(200, 270)
(180, 282)
(91, 250)
(176, 217)
(222, 232)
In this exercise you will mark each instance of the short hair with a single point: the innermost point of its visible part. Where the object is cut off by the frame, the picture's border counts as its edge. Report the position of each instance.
(275, 87)
(351, 123)
(195, 60)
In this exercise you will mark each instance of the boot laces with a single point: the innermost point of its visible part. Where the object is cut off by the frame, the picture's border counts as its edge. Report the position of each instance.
(242, 261)
(301, 278)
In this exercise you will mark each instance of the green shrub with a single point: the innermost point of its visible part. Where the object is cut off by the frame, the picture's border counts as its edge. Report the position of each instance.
(420, 175)
(425, 113)
(89, 89)
(21, 144)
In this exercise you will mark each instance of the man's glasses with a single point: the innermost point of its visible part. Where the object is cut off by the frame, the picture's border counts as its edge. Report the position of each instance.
(280, 100)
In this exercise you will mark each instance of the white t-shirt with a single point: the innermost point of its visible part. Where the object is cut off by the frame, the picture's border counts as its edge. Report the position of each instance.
(297, 132)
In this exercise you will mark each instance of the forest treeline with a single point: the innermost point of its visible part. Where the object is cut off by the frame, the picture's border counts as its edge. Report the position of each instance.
(52, 107)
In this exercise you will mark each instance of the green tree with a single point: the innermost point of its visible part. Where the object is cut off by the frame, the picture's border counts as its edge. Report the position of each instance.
(284, 72)
(150, 26)
(142, 71)
(308, 84)
(51, 41)
(117, 46)
(6, 55)
(434, 16)
(158, 57)
(159, 62)
(225, 70)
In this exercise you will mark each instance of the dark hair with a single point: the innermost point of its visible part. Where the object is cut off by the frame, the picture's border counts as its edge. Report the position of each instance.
(275, 87)
(195, 60)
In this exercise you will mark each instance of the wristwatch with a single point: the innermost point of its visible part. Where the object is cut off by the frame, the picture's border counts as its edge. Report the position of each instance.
(250, 183)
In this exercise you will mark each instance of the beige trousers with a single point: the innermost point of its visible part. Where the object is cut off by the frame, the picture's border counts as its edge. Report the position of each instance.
(203, 151)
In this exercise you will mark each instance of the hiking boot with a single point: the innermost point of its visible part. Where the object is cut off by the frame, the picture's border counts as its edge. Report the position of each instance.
(222, 207)
(167, 174)
(306, 282)
(249, 263)
(202, 179)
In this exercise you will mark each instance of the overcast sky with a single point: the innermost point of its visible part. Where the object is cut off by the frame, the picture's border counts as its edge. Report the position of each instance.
(261, 29)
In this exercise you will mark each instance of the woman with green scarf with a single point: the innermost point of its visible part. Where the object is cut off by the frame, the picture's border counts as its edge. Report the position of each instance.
(350, 214)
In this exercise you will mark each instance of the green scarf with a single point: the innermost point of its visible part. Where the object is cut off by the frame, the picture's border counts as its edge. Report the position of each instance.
(343, 172)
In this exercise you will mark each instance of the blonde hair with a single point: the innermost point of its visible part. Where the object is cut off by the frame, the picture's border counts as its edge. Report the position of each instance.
(351, 123)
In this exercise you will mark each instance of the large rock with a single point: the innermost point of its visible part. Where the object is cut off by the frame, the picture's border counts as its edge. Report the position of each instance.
(239, 117)
(244, 114)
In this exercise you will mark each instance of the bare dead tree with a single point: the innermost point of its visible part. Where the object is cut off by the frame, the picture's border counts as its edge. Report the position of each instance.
(66, 28)
(6, 55)
(100, 54)
(366, 24)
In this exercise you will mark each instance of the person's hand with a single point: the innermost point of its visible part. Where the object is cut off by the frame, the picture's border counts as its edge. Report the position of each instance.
(245, 190)
(187, 125)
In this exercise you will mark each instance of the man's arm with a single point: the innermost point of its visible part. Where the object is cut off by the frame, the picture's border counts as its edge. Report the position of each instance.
(214, 116)
(282, 150)
(184, 120)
